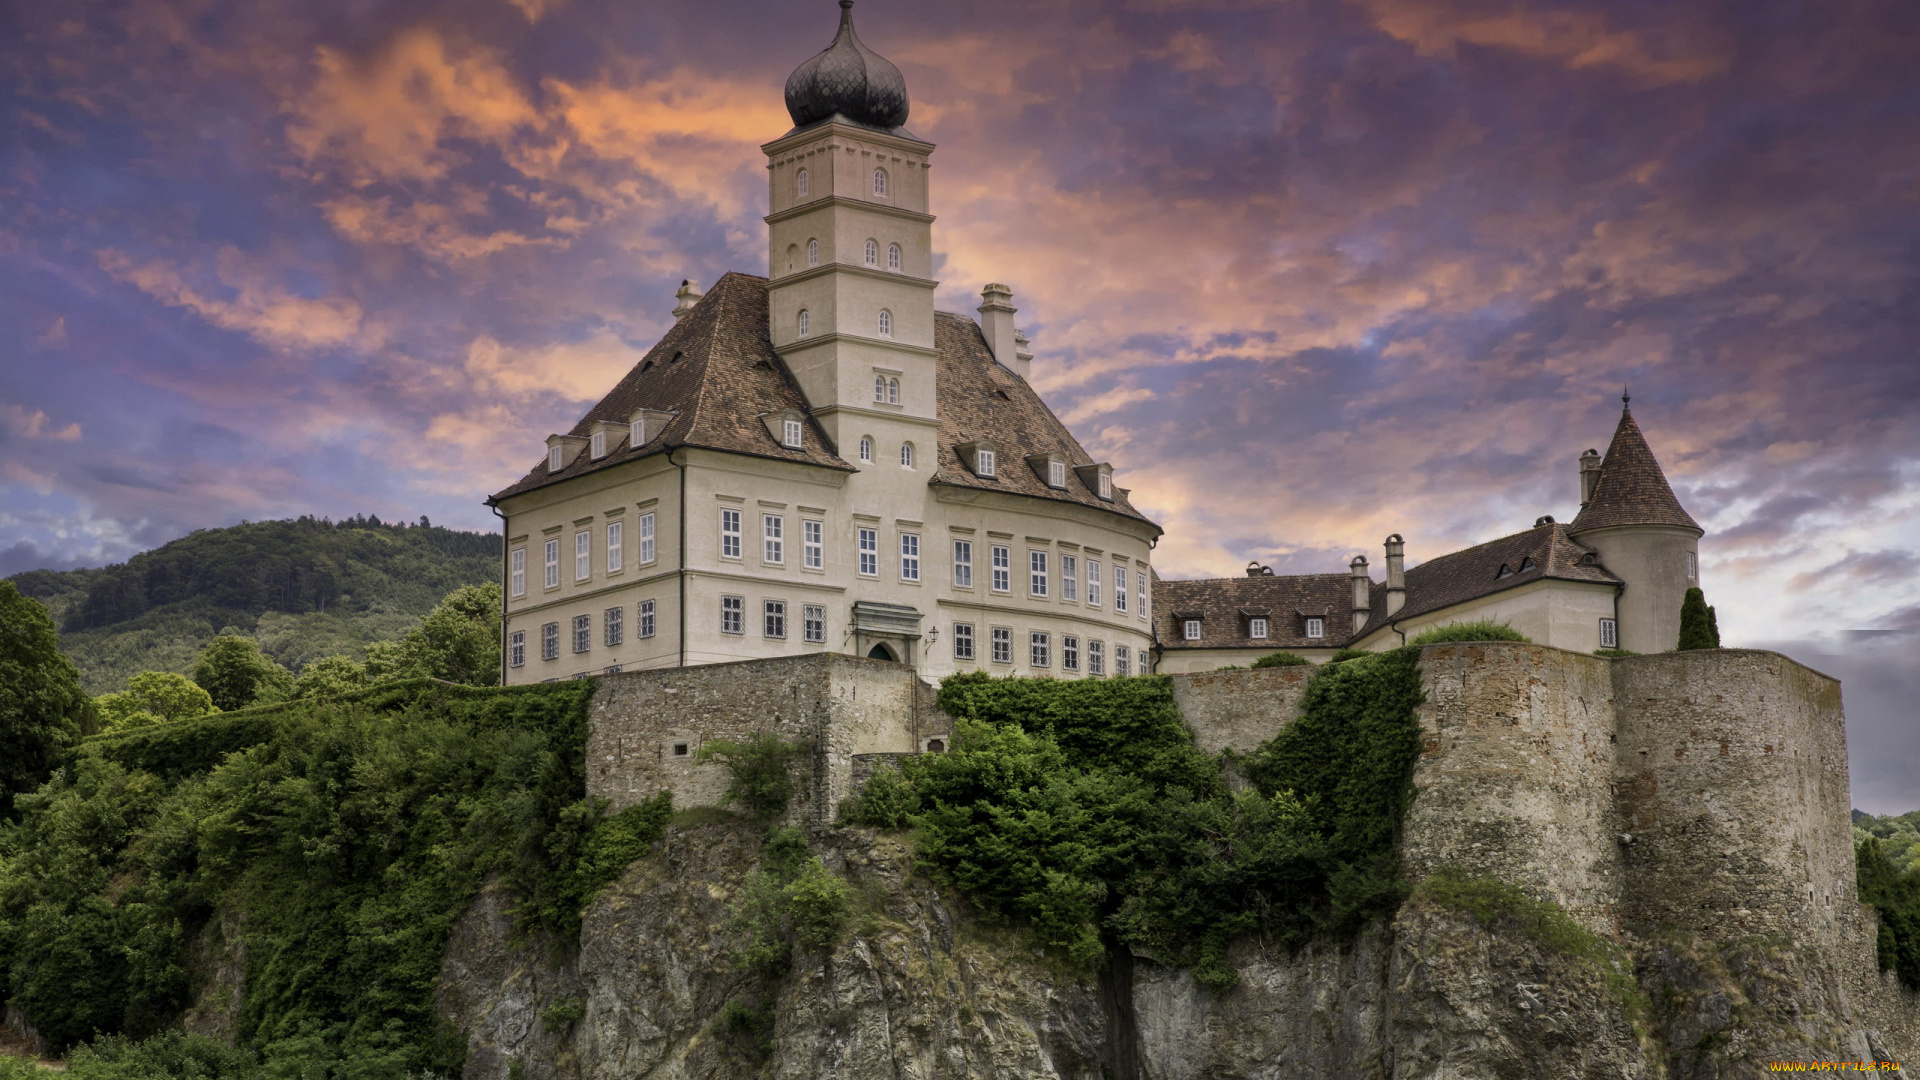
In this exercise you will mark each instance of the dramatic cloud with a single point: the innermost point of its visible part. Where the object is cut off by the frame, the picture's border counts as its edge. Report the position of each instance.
(1370, 265)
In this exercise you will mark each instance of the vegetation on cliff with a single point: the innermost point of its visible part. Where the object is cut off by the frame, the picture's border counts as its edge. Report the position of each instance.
(1895, 894)
(42, 708)
(1477, 630)
(1084, 811)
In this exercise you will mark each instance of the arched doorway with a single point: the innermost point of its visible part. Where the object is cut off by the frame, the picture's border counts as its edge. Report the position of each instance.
(881, 652)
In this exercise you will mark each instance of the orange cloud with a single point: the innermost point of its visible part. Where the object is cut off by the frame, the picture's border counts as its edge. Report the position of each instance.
(259, 307)
(1577, 39)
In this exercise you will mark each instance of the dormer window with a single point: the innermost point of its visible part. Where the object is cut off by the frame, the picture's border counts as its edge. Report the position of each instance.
(1257, 627)
(886, 323)
(1527, 563)
(1106, 485)
(1316, 627)
(1505, 572)
(1057, 477)
(893, 257)
(879, 183)
(813, 253)
(873, 253)
(983, 462)
(803, 322)
(792, 435)
(800, 184)
(599, 441)
(1190, 630)
(636, 434)
(555, 459)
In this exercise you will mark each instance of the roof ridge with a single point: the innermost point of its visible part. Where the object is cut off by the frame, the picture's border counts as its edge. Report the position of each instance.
(719, 294)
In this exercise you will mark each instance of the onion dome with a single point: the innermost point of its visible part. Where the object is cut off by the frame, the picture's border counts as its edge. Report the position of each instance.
(850, 81)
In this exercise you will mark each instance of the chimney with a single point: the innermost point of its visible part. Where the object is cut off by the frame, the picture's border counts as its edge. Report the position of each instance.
(1022, 353)
(1362, 592)
(996, 322)
(1589, 475)
(688, 296)
(1396, 574)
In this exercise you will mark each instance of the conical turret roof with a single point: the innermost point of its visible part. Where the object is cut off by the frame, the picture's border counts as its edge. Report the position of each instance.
(850, 81)
(1632, 489)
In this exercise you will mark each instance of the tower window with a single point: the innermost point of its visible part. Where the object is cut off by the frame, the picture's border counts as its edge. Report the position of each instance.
(1693, 566)
(880, 388)
(813, 253)
(800, 184)
(803, 322)
(893, 391)
(886, 323)
(880, 183)
(866, 448)
(893, 257)
(792, 432)
(873, 253)
(906, 455)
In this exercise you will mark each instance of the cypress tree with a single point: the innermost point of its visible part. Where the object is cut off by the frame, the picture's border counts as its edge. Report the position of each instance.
(1713, 625)
(1696, 622)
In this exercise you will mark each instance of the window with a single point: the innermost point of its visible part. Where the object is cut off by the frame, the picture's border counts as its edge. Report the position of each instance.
(613, 669)
(550, 641)
(1119, 592)
(886, 323)
(909, 557)
(1693, 566)
(646, 539)
(800, 184)
(774, 613)
(866, 446)
(893, 257)
(646, 618)
(962, 641)
(774, 531)
(553, 563)
(616, 546)
(733, 614)
(1057, 474)
(681, 749)
(1002, 568)
(880, 183)
(729, 534)
(813, 619)
(1140, 590)
(1256, 627)
(582, 633)
(517, 649)
(1609, 634)
(906, 455)
(517, 578)
(893, 391)
(803, 321)
(983, 462)
(880, 389)
(1316, 627)
(873, 253)
(1036, 573)
(1190, 630)
(636, 434)
(1069, 653)
(1069, 577)
(1002, 645)
(614, 623)
(598, 445)
(1039, 649)
(555, 458)
(582, 555)
(1122, 660)
(1093, 582)
(791, 435)
(963, 564)
(813, 545)
(870, 552)
(1096, 658)
(1106, 485)
(813, 253)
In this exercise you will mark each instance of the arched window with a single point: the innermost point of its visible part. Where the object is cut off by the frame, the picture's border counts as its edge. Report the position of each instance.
(793, 257)
(880, 182)
(866, 448)
(879, 388)
(893, 257)
(803, 322)
(813, 253)
(873, 253)
(800, 184)
(886, 323)
(893, 391)
(906, 455)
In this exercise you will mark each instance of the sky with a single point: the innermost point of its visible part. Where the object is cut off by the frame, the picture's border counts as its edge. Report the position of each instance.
(1307, 272)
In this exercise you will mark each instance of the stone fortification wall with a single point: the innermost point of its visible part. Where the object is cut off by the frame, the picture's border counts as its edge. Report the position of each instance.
(1239, 710)
(647, 727)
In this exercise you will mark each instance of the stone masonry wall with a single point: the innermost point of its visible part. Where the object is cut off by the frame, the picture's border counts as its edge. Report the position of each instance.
(1239, 710)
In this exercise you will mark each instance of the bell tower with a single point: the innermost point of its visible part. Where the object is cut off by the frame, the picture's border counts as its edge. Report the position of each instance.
(850, 242)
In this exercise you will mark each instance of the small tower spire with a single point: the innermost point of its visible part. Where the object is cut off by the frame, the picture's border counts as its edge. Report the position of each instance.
(1626, 400)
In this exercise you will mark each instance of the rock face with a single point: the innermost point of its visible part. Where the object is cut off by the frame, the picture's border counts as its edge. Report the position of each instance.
(917, 988)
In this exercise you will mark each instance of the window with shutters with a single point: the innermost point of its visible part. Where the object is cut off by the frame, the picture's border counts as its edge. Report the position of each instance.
(1119, 591)
(1093, 582)
(813, 545)
(646, 539)
(1070, 578)
(963, 564)
(597, 445)
(553, 563)
(518, 577)
(582, 555)
(616, 546)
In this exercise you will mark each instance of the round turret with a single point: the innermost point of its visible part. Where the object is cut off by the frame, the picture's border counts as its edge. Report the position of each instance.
(850, 81)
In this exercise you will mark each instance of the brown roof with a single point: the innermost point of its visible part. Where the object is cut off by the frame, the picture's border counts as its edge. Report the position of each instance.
(980, 399)
(1225, 605)
(1544, 552)
(715, 367)
(1631, 490)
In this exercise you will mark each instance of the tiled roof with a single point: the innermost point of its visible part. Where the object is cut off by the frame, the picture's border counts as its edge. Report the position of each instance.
(1224, 606)
(980, 399)
(717, 369)
(1631, 490)
(1544, 552)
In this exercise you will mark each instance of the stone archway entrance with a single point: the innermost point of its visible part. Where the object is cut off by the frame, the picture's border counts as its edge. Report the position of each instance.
(881, 652)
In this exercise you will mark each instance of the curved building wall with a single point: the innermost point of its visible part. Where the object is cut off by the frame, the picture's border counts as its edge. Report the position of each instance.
(1653, 561)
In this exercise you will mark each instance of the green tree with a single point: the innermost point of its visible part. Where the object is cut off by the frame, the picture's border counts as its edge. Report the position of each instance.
(42, 708)
(235, 674)
(459, 640)
(154, 697)
(330, 676)
(1697, 629)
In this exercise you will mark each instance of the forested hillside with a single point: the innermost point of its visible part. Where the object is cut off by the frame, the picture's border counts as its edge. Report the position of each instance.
(304, 588)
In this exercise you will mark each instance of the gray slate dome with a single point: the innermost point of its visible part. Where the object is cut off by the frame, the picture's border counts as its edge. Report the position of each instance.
(850, 80)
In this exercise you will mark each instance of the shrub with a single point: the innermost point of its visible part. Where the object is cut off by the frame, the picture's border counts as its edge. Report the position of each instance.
(761, 771)
(791, 900)
(885, 801)
(1348, 654)
(1282, 659)
(1478, 630)
(1614, 654)
(556, 1018)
